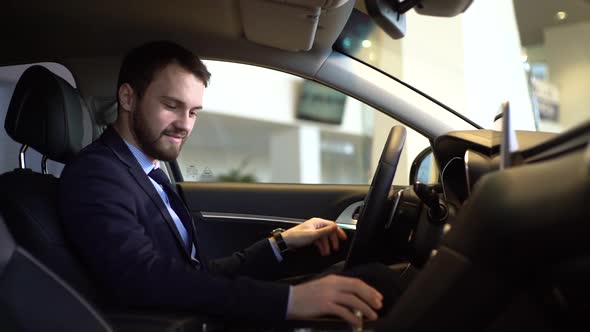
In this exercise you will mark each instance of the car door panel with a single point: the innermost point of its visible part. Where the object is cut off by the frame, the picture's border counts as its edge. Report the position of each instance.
(235, 215)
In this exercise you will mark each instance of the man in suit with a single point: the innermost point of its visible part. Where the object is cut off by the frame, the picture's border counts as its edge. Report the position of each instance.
(139, 242)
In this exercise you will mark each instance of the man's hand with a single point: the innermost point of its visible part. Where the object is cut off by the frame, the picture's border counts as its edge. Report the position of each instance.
(325, 234)
(334, 295)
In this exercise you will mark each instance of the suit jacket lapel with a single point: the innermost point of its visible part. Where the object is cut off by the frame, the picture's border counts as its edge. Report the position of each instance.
(112, 139)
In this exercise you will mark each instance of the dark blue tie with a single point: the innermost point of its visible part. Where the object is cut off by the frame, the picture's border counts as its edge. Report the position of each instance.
(176, 203)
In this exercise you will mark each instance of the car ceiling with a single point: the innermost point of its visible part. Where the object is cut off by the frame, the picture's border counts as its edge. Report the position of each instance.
(53, 30)
(90, 38)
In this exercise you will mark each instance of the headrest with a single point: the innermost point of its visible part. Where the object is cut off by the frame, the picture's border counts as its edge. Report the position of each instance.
(104, 111)
(45, 113)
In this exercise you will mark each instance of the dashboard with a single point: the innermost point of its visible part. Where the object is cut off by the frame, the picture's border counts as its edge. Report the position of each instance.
(515, 250)
(465, 156)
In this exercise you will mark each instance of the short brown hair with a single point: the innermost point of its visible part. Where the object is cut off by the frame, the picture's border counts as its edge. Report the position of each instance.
(140, 64)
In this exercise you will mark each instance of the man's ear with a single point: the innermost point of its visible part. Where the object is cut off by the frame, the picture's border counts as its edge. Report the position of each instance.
(126, 97)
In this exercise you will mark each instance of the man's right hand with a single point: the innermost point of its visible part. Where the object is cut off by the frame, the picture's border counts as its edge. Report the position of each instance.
(334, 295)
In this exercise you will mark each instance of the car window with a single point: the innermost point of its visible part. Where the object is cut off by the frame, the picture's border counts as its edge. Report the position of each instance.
(265, 126)
(9, 75)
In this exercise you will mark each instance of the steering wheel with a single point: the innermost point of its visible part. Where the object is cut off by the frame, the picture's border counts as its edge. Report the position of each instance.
(374, 212)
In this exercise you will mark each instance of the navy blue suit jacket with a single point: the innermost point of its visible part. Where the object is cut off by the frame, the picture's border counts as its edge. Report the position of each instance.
(126, 238)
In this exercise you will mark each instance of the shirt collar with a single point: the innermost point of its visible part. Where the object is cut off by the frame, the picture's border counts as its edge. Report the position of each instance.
(144, 161)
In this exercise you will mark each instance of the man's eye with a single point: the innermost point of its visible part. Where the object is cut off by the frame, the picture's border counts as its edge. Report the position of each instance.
(193, 113)
(170, 106)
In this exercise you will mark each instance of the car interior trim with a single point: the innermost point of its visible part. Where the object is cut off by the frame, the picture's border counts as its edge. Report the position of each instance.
(348, 215)
(284, 220)
(466, 162)
(398, 195)
(558, 145)
(442, 175)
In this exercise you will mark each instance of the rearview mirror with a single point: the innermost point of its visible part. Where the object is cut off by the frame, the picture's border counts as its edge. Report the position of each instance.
(444, 8)
(390, 14)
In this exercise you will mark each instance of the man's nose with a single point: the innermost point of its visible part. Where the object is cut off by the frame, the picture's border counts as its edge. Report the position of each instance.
(184, 121)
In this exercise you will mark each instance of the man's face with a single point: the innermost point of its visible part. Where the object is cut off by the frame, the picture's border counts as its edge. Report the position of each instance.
(164, 116)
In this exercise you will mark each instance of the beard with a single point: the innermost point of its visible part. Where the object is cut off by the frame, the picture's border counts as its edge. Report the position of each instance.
(154, 143)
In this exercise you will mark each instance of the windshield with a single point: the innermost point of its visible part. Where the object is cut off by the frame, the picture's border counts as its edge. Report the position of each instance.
(533, 53)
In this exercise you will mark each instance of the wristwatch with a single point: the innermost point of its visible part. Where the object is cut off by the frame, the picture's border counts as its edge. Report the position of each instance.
(276, 234)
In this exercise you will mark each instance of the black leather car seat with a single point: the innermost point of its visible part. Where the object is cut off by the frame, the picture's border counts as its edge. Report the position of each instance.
(45, 113)
(32, 298)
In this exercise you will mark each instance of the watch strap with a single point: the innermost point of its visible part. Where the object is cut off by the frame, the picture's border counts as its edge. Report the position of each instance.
(278, 237)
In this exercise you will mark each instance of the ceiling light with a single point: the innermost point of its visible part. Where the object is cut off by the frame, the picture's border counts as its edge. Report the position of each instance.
(367, 43)
(561, 16)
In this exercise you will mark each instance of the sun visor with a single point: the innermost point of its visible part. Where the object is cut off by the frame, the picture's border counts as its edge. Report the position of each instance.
(288, 24)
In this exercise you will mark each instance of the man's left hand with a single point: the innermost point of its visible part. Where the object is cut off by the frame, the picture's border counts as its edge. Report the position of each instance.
(324, 234)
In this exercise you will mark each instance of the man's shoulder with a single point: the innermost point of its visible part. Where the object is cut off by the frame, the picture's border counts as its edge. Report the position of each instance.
(95, 152)
(109, 148)
(94, 158)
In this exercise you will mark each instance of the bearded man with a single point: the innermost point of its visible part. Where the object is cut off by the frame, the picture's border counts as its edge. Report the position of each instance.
(135, 236)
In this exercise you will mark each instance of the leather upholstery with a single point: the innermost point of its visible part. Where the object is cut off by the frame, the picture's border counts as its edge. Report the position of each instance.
(41, 301)
(28, 202)
(104, 111)
(45, 113)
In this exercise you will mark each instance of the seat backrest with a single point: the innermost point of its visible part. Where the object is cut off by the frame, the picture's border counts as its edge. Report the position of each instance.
(32, 298)
(45, 113)
(104, 113)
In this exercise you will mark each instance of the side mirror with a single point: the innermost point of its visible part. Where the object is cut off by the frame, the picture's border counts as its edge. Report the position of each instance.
(424, 168)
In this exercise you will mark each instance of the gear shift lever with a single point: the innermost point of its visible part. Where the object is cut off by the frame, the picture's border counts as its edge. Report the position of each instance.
(437, 211)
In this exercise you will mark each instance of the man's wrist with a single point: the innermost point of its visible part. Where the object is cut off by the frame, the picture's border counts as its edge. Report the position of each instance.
(275, 249)
(277, 235)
